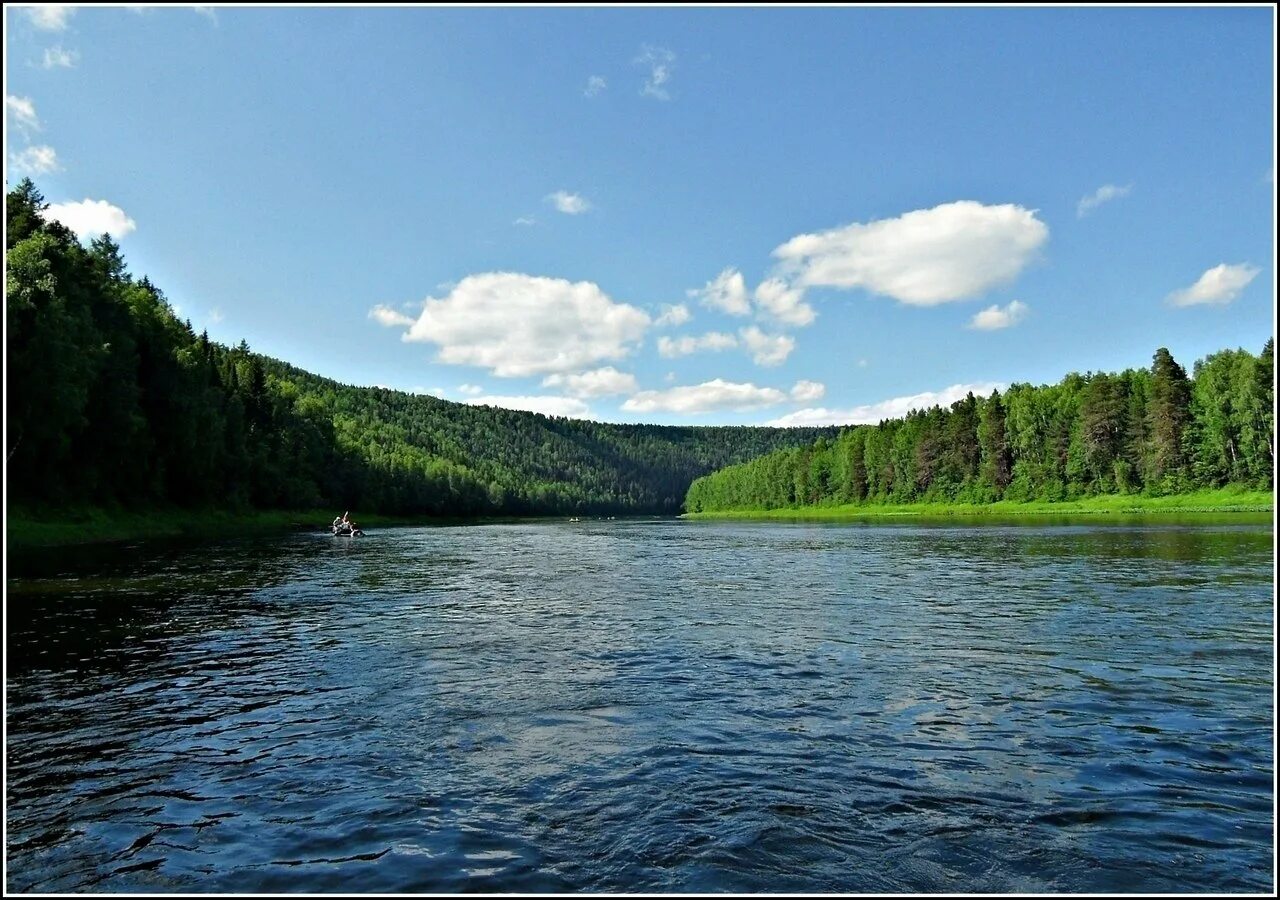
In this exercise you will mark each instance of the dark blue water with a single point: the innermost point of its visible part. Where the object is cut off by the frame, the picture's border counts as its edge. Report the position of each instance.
(663, 706)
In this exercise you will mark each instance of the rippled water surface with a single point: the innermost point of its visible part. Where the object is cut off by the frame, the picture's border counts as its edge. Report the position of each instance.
(656, 705)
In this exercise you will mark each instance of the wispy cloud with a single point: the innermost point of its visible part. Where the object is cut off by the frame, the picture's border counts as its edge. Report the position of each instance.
(686, 344)
(673, 314)
(893, 408)
(767, 349)
(659, 62)
(595, 86)
(569, 203)
(38, 160)
(23, 111)
(49, 16)
(710, 396)
(58, 58)
(207, 11)
(995, 317)
(1104, 194)
(1219, 285)
(807, 391)
(525, 220)
(726, 292)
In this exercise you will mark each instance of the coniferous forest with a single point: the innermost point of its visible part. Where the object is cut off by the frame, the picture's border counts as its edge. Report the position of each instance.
(115, 402)
(1153, 431)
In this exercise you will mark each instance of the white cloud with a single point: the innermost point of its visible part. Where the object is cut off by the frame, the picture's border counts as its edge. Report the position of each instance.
(785, 302)
(604, 382)
(929, 256)
(1090, 202)
(470, 390)
(57, 58)
(807, 391)
(767, 349)
(517, 325)
(886, 409)
(88, 218)
(1221, 284)
(385, 315)
(24, 112)
(673, 314)
(710, 396)
(595, 85)
(525, 220)
(683, 346)
(49, 16)
(659, 61)
(38, 160)
(726, 292)
(994, 317)
(547, 405)
(569, 203)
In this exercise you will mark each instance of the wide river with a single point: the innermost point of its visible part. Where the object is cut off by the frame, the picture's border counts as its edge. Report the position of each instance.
(649, 705)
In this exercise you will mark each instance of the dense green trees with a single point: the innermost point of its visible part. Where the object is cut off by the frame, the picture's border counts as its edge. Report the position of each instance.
(1154, 431)
(112, 400)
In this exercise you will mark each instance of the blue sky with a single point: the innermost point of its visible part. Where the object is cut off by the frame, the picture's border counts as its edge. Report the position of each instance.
(681, 216)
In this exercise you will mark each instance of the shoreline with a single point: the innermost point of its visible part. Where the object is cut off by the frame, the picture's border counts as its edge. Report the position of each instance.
(1222, 501)
(88, 527)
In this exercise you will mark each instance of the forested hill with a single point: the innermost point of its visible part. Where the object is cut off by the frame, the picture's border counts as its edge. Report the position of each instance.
(1152, 431)
(113, 401)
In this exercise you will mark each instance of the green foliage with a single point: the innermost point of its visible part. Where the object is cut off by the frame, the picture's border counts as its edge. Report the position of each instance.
(113, 401)
(1154, 432)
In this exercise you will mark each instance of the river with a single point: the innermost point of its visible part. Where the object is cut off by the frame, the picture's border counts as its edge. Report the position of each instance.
(649, 706)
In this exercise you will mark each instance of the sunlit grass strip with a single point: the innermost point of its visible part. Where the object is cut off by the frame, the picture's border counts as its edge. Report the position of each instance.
(1225, 500)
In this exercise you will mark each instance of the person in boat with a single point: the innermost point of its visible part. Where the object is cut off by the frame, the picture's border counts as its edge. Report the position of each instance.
(337, 524)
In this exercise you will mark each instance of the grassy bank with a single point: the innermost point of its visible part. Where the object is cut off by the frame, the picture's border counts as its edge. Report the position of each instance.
(1225, 500)
(27, 529)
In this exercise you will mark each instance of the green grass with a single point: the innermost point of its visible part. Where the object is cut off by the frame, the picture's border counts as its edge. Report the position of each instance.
(1224, 500)
(27, 529)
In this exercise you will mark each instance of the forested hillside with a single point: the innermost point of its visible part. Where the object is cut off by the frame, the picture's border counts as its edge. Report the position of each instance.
(113, 401)
(1152, 431)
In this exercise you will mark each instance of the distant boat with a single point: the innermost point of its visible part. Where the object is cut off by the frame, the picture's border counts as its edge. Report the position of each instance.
(339, 531)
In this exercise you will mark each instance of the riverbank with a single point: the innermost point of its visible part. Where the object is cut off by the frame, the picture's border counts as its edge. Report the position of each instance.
(1225, 500)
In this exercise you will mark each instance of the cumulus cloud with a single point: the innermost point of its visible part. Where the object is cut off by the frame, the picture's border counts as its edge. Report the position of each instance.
(673, 314)
(49, 16)
(385, 315)
(517, 325)
(1221, 285)
(1107, 192)
(569, 203)
(38, 160)
(683, 346)
(886, 409)
(996, 317)
(767, 349)
(659, 61)
(23, 111)
(929, 256)
(808, 391)
(57, 58)
(547, 405)
(784, 302)
(603, 382)
(710, 396)
(595, 86)
(726, 292)
(90, 218)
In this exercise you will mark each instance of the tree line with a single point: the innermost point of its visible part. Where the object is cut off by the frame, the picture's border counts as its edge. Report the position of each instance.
(1153, 431)
(113, 401)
